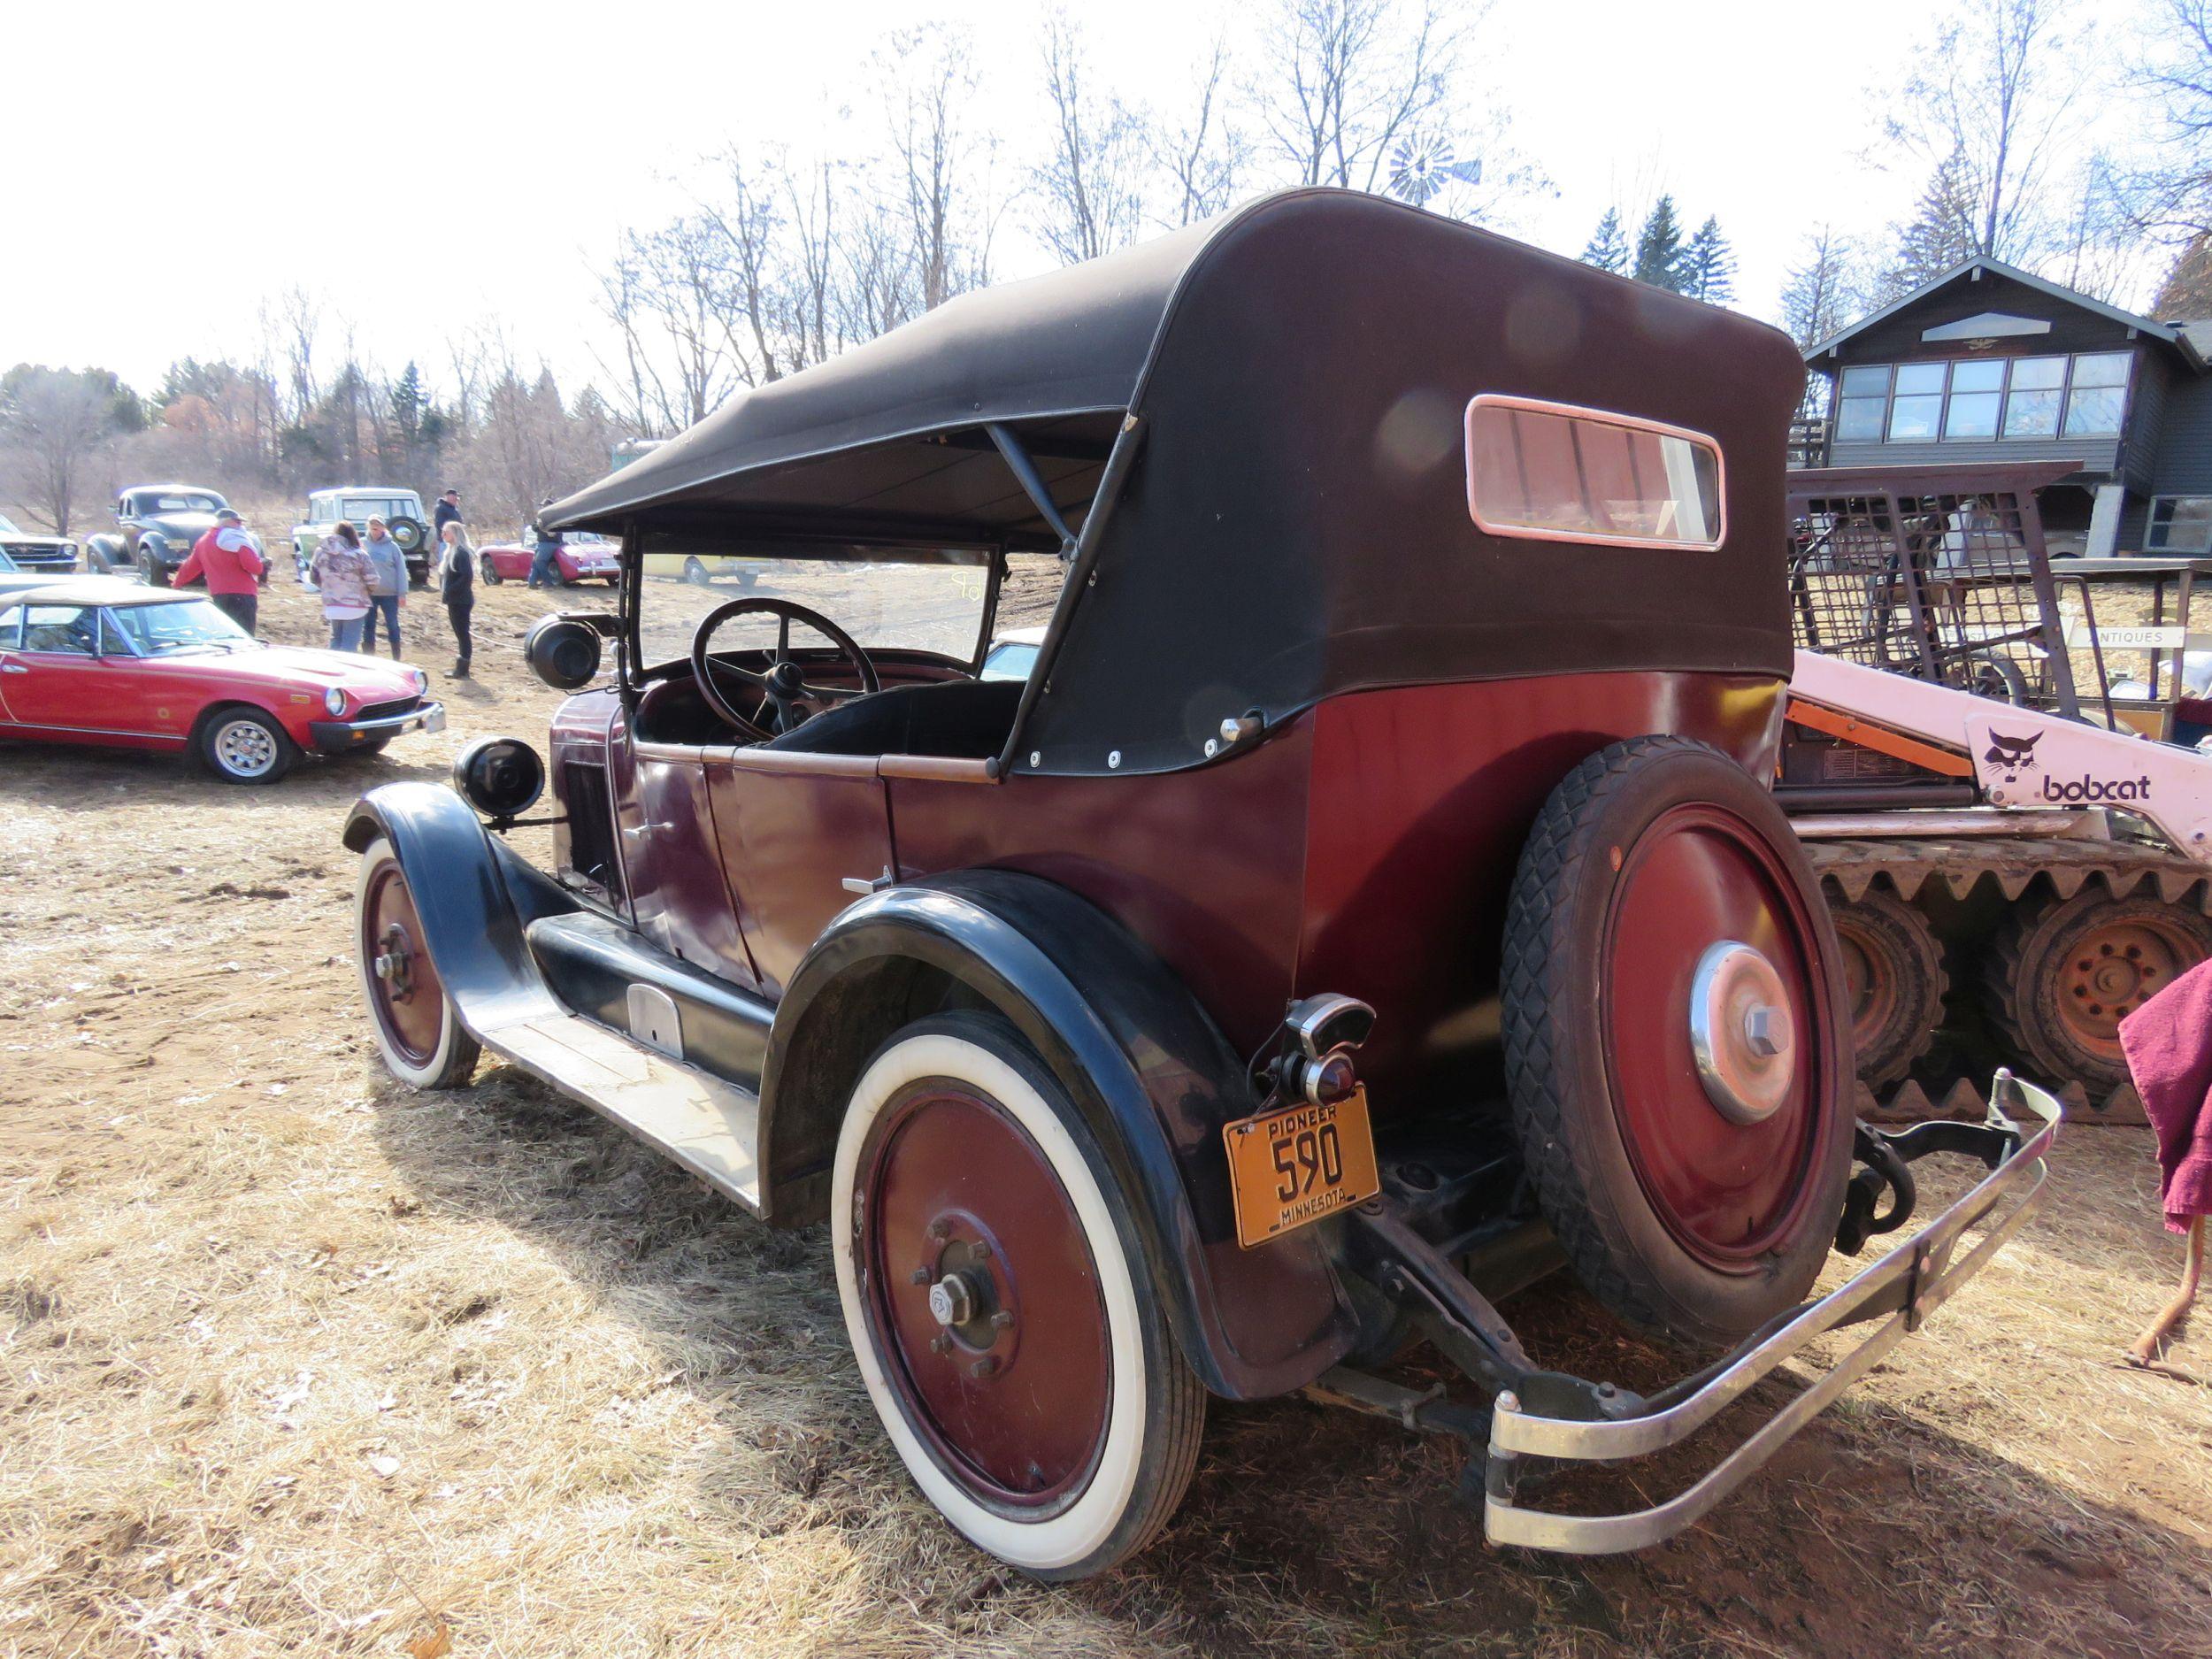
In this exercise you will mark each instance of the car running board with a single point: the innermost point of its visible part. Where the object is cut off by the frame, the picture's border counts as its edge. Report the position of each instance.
(711, 1127)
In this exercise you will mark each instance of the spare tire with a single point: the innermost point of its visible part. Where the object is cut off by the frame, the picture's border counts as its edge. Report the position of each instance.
(408, 532)
(1678, 1041)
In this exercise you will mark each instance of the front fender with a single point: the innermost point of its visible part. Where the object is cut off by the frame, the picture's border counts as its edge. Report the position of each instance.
(475, 895)
(1139, 1058)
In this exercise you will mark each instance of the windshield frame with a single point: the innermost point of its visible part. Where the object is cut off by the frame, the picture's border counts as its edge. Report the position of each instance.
(110, 625)
(633, 674)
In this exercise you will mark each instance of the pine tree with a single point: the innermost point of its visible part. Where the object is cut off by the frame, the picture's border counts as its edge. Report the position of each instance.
(2187, 293)
(1707, 269)
(1941, 233)
(1608, 245)
(1659, 247)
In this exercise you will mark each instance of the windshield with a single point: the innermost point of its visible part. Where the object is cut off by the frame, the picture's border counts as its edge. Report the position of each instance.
(361, 508)
(884, 606)
(162, 630)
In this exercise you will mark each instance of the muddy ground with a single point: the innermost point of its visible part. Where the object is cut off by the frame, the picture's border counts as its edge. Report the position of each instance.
(295, 1361)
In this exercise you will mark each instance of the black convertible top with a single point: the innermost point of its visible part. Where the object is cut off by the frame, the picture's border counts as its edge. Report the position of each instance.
(1293, 520)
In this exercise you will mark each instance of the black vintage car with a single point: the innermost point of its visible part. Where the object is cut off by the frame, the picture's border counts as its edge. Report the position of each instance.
(156, 525)
(1369, 900)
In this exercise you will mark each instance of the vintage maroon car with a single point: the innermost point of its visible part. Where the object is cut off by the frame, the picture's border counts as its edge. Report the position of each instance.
(99, 661)
(1368, 902)
(582, 558)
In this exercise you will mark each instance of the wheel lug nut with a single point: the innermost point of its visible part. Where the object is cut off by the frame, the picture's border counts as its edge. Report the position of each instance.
(941, 1230)
(940, 1344)
(919, 1276)
(982, 1249)
(1002, 1320)
(983, 1367)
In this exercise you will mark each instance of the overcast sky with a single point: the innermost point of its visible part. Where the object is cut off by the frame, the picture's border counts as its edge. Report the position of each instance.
(422, 167)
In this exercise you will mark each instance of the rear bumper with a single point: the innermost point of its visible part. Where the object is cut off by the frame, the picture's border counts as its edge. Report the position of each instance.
(1899, 1291)
(335, 737)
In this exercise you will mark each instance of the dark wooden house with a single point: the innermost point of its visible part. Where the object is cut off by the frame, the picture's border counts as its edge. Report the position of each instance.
(1988, 364)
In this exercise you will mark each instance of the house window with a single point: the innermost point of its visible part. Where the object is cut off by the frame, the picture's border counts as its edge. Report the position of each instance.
(1560, 473)
(1860, 409)
(2098, 395)
(1975, 400)
(2180, 524)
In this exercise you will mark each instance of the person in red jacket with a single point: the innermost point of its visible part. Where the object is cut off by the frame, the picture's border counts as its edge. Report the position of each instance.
(225, 558)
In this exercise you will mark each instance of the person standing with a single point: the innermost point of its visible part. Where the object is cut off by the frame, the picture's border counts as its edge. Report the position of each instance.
(542, 552)
(448, 511)
(456, 586)
(226, 559)
(340, 570)
(387, 585)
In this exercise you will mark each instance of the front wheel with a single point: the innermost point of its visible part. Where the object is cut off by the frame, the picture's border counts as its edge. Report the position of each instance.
(492, 578)
(418, 1031)
(151, 571)
(1010, 1341)
(695, 572)
(244, 745)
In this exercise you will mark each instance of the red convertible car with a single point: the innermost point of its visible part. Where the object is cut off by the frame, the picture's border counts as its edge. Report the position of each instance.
(582, 558)
(104, 662)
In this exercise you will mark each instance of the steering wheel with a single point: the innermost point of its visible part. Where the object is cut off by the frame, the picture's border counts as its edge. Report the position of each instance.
(783, 687)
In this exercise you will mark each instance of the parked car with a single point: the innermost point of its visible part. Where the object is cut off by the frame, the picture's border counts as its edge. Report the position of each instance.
(26, 550)
(1369, 902)
(156, 525)
(355, 504)
(1013, 655)
(699, 571)
(583, 557)
(116, 665)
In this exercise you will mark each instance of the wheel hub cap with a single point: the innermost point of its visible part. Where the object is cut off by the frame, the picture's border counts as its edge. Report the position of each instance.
(1740, 1033)
(245, 747)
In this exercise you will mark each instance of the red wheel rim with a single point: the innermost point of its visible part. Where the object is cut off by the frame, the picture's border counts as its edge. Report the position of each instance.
(1011, 1400)
(2112, 970)
(1729, 1193)
(404, 986)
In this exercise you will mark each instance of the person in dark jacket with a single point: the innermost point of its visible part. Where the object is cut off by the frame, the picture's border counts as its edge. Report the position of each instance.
(448, 511)
(456, 586)
(545, 547)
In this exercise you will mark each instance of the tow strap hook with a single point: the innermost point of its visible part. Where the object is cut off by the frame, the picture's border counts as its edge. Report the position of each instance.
(1884, 1171)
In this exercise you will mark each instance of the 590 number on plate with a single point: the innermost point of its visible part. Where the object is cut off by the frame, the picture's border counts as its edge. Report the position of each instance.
(1291, 1167)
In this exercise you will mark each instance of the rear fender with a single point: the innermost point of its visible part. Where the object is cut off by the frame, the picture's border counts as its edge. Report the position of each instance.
(474, 894)
(1139, 1058)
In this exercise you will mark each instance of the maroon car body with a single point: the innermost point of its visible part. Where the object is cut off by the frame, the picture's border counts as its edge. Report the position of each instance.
(580, 559)
(1371, 900)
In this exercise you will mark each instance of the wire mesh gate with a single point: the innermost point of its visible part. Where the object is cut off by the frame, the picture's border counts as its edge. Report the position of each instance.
(1939, 579)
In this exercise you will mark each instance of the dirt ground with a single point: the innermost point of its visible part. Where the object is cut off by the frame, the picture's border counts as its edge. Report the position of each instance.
(295, 1361)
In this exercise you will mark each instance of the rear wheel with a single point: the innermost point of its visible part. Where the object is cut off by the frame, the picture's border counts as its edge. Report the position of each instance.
(1007, 1333)
(1676, 1041)
(244, 745)
(492, 578)
(2064, 974)
(150, 570)
(418, 1031)
(1895, 982)
(695, 572)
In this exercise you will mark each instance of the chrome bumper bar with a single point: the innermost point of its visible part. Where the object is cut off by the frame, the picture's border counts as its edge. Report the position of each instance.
(1906, 1286)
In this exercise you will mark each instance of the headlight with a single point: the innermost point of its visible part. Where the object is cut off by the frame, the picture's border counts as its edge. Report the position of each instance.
(335, 700)
(422, 682)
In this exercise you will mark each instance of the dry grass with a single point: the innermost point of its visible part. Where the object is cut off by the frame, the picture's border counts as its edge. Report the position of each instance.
(294, 1360)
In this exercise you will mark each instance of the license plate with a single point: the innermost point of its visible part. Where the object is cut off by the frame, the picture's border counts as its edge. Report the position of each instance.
(1291, 1167)
(433, 721)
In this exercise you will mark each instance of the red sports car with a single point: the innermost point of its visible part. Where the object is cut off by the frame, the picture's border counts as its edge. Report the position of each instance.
(100, 662)
(582, 558)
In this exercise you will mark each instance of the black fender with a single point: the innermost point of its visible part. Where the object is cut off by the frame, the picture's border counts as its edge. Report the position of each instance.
(475, 893)
(108, 548)
(1140, 1059)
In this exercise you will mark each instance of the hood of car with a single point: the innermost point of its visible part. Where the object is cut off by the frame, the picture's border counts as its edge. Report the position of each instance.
(302, 669)
(32, 539)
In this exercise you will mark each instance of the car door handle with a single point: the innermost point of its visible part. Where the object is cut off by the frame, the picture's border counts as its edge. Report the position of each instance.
(862, 885)
(642, 829)
(13, 668)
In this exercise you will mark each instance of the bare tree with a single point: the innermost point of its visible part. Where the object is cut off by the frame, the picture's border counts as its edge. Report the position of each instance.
(301, 317)
(1090, 187)
(931, 92)
(1995, 101)
(1344, 80)
(56, 421)
(1826, 290)
(1205, 155)
(667, 295)
(2172, 196)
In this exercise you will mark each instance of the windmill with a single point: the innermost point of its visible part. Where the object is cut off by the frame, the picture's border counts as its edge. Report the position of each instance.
(1422, 164)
